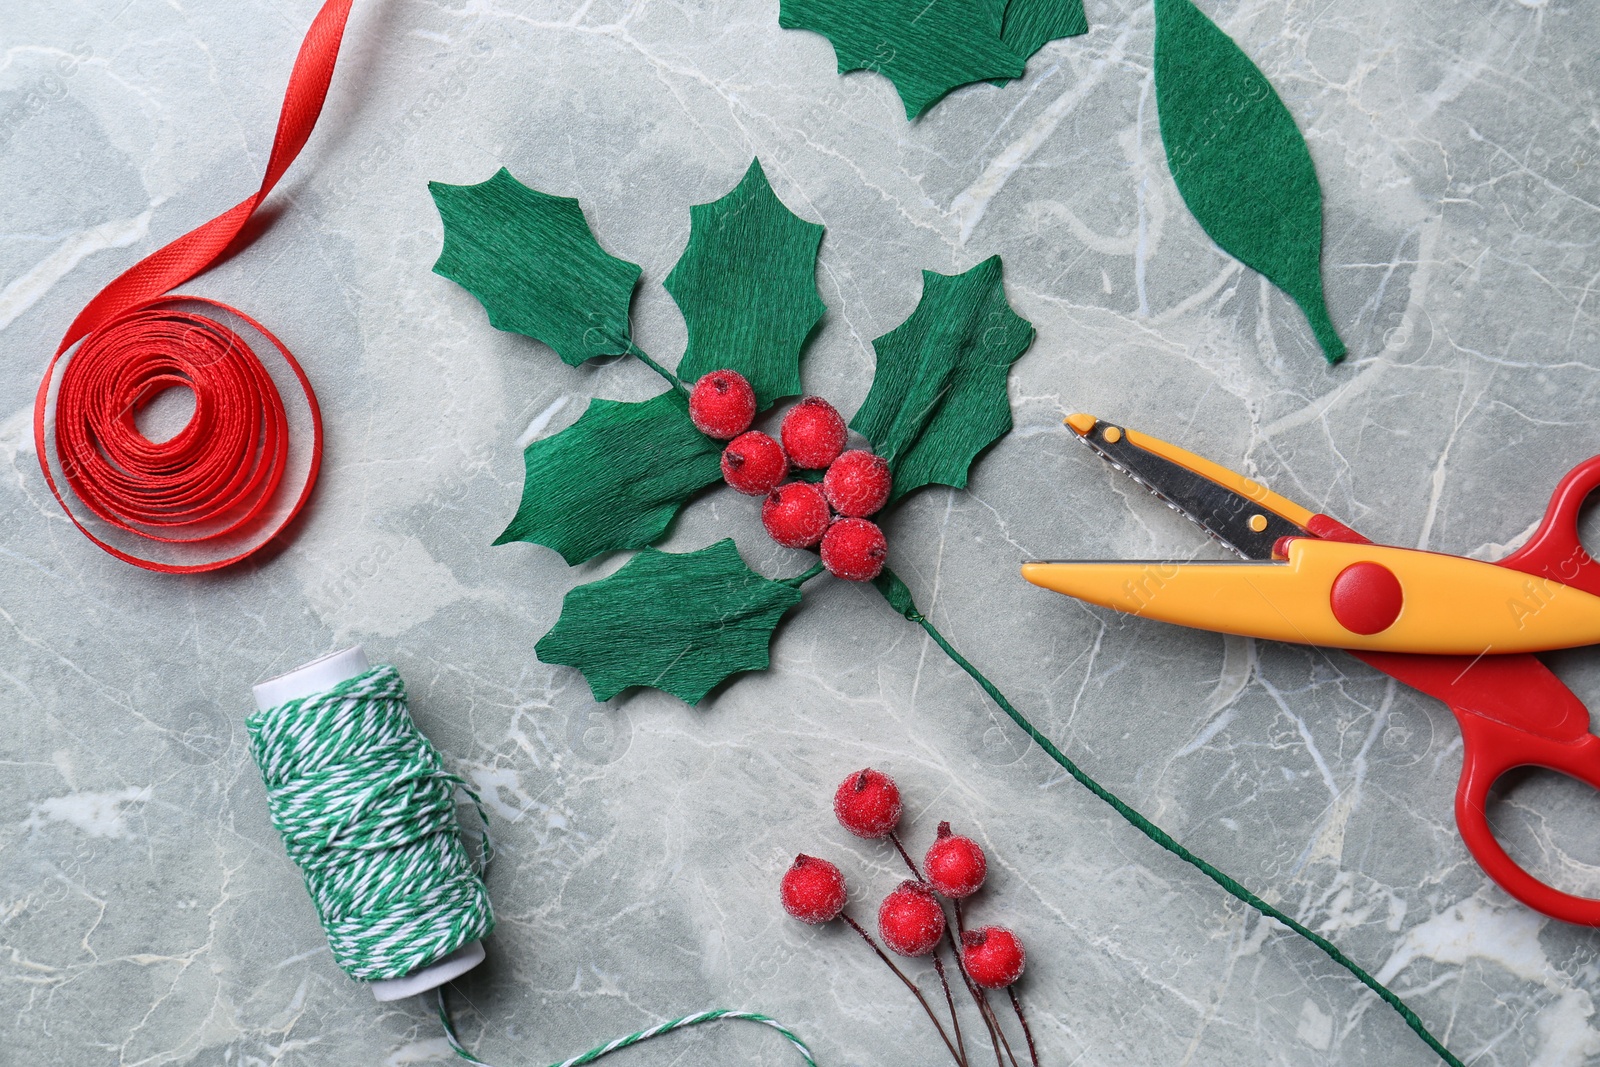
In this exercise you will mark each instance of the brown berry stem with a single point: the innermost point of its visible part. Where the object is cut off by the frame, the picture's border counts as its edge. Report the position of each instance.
(910, 863)
(955, 949)
(997, 1034)
(915, 991)
(989, 1021)
(1016, 1005)
(950, 1001)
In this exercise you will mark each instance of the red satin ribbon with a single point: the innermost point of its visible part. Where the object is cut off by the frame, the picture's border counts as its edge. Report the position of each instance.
(225, 468)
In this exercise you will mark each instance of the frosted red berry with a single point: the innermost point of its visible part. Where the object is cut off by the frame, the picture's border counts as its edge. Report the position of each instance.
(796, 515)
(812, 890)
(857, 483)
(955, 865)
(868, 804)
(993, 956)
(754, 463)
(854, 549)
(911, 920)
(813, 433)
(722, 404)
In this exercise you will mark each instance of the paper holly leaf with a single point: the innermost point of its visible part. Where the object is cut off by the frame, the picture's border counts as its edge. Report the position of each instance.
(533, 263)
(1239, 160)
(926, 47)
(1032, 24)
(614, 479)
(747, 287)
(939, 395)
(678, 622)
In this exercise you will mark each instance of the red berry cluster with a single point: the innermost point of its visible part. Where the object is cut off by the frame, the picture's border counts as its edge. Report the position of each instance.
(799, 514)
(912, 919)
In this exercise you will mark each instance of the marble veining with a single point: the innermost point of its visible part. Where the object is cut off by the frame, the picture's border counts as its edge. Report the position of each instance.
(147, 912)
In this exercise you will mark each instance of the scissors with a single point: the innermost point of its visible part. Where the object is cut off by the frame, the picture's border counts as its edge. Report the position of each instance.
(1460, 630)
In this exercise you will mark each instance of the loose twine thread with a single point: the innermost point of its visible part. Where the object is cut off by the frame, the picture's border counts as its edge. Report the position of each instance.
(366, 810)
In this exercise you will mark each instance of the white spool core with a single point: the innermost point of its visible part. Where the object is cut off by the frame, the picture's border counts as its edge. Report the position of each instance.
(314, 677)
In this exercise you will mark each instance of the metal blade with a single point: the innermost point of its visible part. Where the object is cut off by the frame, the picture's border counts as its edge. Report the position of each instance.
(1242, 525)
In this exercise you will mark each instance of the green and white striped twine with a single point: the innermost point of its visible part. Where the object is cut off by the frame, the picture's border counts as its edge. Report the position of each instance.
(643, 1035)
(367, 812)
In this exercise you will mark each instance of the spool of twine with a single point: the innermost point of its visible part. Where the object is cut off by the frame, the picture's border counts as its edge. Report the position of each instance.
(367, 811)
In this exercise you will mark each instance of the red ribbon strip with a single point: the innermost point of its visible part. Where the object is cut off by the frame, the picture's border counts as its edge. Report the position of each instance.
(224, 469)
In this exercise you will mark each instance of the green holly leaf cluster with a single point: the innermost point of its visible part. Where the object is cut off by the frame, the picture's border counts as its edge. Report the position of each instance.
(929, 47)
(615, 479)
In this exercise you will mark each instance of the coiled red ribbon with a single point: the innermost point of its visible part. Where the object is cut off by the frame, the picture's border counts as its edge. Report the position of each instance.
(232, 479)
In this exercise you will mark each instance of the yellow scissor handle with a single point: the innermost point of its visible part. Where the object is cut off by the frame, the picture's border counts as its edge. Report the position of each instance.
(1330, 593)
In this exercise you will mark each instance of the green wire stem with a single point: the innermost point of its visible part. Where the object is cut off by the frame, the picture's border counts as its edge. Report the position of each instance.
(643, 1035)
(671, 379)
(899, 598)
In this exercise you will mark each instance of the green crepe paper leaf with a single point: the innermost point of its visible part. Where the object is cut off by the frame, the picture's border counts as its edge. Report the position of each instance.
(678, 622)
(747, 287)
(1239, 160)
(1032, 24)
(614, 479)
(939, 395)
(926, 47)
(533, 263)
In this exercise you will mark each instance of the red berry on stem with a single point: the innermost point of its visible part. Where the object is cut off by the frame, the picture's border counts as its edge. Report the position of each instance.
(812, 890)
(722, 404)
(854, 549)
(911, 919)
(868, 804)
(813, 433)
(955, 865)
(993, 956)
(796, 515)
(754, 463)
(857, 483)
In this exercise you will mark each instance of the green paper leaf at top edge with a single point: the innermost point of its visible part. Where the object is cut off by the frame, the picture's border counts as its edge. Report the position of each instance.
(1032, 24)
(926, 47)
(939, 395)
(747, 287)
(1239, 160)
(614, 479)
(533, 263)
(678, 622)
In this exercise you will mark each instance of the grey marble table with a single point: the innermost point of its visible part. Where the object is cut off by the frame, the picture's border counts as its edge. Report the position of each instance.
(147, 912)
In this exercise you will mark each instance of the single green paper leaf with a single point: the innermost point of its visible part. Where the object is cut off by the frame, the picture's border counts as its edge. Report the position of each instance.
(614, 479)
(1239, 160)
(533, 263)
(1032, 24)
(747, 287)
(939, 395)
(926, 47)
(678, 622)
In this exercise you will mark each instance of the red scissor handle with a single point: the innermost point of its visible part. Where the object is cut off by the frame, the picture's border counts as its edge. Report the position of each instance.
(1491, 750)
(1555, 551)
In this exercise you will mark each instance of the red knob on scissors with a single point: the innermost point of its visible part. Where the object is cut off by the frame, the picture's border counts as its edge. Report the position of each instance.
(1366, 598)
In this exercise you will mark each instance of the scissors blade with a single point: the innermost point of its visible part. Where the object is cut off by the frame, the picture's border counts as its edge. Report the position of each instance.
(1240, 514)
